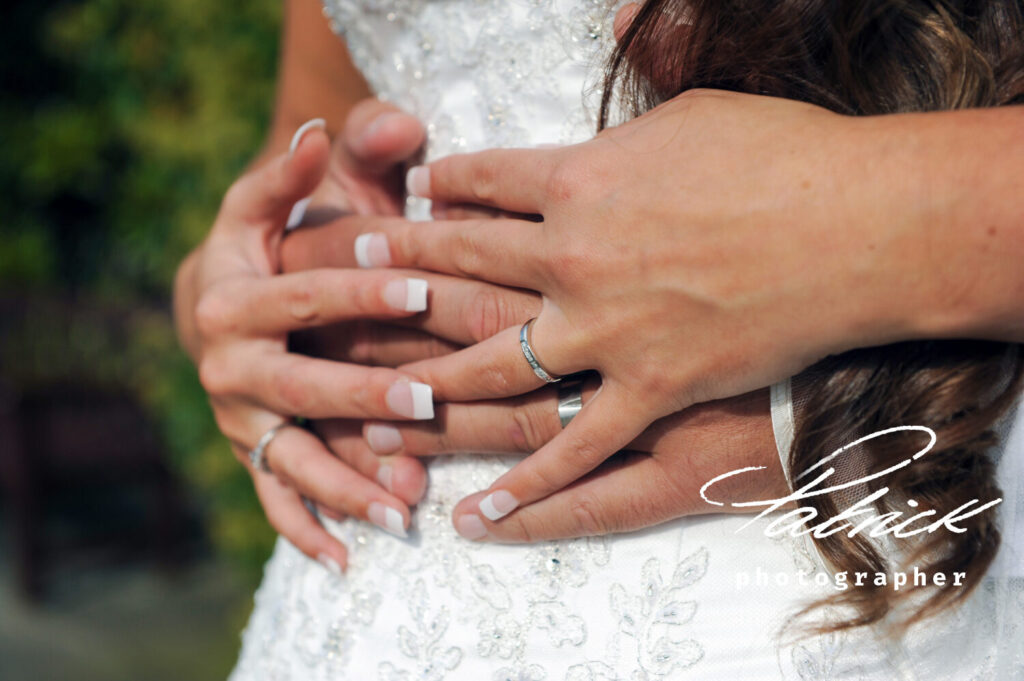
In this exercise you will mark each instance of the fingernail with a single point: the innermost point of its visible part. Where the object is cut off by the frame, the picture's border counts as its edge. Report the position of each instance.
(330, 564)
(372, 250)
(303, 129)
(417, 181)
(422, 492)
(411, 400)
(384, 476)
(383, 439)
(406, 294)
(497, 505)
(298, 212)
(374, 127)
(469, 526)
(387, 518)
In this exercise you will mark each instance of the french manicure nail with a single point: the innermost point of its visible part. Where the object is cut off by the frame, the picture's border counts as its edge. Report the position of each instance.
(372, 250)
(406, 294)
(469, 526)
(417, 181)
(384, 475)
(298, 212)
(497, 505)
(411, 400)
(386, 518)
(303, 129)
(330, 564)
(383, 439)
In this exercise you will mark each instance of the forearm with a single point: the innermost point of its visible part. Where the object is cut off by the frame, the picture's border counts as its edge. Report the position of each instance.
(963, 174)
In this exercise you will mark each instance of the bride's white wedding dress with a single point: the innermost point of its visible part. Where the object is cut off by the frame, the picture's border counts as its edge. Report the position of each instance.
(690, 599)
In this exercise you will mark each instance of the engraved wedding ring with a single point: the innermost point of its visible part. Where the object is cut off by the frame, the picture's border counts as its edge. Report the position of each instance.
(570, 400)
(531, 357)
(258, 454)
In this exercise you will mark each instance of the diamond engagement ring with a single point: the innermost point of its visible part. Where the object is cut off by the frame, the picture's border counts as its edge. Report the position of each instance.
(531, 357)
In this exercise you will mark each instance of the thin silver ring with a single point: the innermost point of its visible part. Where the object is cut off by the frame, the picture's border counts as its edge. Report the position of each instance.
(258, 454)
(531, 357)
(570, 400)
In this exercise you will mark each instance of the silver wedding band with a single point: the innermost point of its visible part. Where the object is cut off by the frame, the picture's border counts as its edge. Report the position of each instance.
(570, 400)
(258, 454)
(531, 357)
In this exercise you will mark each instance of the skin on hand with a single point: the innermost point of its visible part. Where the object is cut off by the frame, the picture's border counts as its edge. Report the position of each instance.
(234, 315)
(657, 478)
(637, 236)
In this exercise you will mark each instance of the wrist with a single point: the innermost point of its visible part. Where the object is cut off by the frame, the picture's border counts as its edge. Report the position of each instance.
(939, 225)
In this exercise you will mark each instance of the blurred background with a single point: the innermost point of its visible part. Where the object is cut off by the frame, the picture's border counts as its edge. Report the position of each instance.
(130, 538)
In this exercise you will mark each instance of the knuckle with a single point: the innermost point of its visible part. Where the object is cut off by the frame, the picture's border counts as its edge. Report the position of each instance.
(489, 312)
(497, 379)
(214, 375)
(568, 179)
(587, 451)
(530, 429)
(370, 396)
(588, 515)
(215, 313)
(569, 263)
(303, 299)
(468, 258)
(483, 184)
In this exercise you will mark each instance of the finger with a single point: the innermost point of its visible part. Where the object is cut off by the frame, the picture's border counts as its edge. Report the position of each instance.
(466, 312)
(625, 493)
(288, 514)
(287, 383)
(265, 196)
(403, 476)
(301, 460)
(497, 367)
(518, 425)
(378, 135)
(507, 252)
(370, 344)
(277, 305)
(606, 424)
(516, 180)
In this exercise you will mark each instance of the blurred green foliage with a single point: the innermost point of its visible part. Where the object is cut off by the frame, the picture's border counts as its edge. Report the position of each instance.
(123, 124)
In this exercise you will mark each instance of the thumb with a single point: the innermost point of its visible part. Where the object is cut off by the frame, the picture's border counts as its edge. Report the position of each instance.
(378, 135)
(264, 197)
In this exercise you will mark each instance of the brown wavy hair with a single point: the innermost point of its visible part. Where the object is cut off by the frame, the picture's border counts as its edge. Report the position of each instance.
(865, 58)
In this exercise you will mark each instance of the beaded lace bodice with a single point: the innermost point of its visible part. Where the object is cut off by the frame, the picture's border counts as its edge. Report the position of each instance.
(691, 599)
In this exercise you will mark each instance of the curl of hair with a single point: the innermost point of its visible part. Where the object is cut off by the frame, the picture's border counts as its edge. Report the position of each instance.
(865, 57)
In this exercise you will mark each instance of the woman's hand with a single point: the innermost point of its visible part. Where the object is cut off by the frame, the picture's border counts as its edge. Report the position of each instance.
(234, 315)
(706, 249)
(657, 478)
